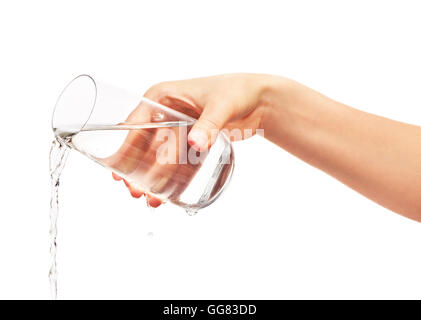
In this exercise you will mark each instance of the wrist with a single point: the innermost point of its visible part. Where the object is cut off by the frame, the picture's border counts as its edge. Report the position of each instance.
(276, 97)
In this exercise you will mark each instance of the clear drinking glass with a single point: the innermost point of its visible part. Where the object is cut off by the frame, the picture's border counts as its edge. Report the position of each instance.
(142, 141)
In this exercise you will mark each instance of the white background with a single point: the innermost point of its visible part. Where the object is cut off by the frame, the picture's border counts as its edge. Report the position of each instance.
(282, 229)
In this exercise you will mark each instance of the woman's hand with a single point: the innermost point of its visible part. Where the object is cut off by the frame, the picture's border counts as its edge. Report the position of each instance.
(234, 103)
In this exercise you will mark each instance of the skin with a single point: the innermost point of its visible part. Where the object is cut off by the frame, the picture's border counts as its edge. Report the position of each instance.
(378, 157)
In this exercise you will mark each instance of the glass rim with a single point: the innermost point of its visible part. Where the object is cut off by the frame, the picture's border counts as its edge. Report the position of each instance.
(65, 89)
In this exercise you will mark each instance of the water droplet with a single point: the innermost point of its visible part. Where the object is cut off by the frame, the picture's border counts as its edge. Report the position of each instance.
(191, 211)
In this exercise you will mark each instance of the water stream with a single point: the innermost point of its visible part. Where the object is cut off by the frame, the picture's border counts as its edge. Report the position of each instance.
(58, 156)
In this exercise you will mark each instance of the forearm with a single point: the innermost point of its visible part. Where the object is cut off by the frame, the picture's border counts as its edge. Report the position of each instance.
(378, 157)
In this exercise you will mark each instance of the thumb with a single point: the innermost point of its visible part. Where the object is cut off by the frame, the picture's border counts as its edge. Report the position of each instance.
(207, 127)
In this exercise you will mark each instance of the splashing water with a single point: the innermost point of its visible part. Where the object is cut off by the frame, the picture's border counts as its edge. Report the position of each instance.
(58, 155)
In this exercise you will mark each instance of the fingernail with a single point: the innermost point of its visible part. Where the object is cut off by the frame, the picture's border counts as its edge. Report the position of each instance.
(154, 202)
(198, 139)
(126, 183)
(116, 177)
(136, 193)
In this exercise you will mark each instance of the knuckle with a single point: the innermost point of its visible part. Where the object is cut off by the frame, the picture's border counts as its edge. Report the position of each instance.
(210, 124)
